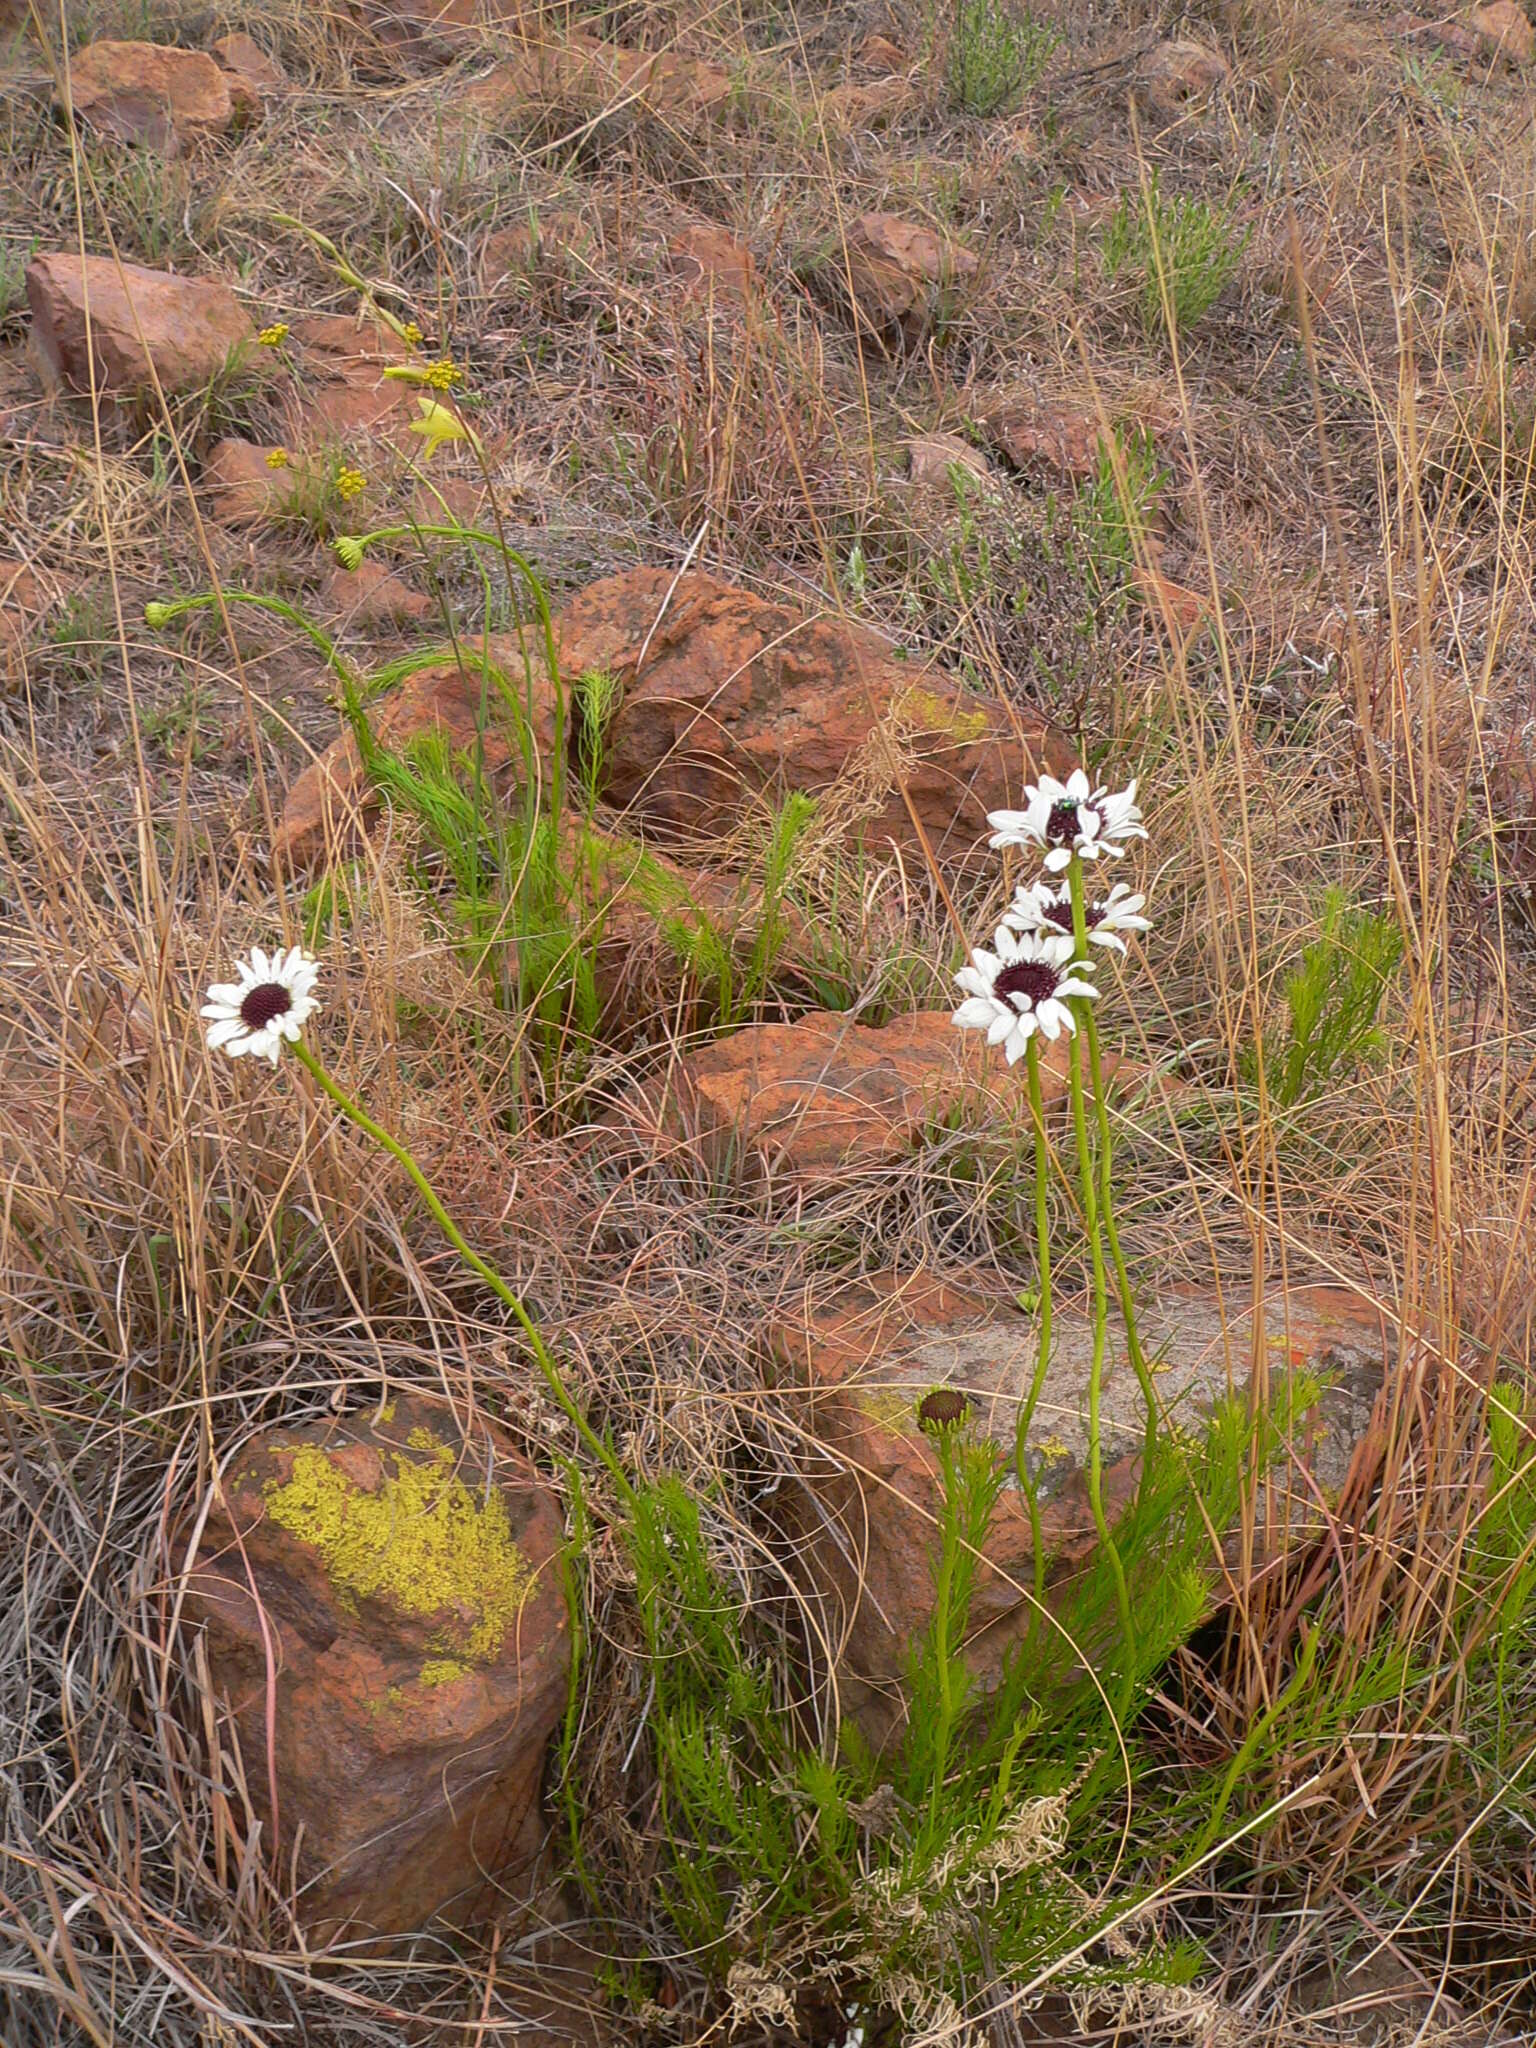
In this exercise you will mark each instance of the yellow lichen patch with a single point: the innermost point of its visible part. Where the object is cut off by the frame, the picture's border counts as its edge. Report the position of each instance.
(925, 711)
(441, 1671)
(421, 1540)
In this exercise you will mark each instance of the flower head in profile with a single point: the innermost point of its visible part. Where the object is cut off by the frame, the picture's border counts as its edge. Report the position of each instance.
(439, 423)
(348, 550)
(1023, 986)
(271, 1001)
(1047, 907)
(1071, 817)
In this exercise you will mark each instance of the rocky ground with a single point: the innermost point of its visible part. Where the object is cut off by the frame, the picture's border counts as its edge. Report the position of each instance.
(578, 517)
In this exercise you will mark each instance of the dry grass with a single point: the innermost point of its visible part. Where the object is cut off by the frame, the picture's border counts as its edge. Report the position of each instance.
(189, 1254)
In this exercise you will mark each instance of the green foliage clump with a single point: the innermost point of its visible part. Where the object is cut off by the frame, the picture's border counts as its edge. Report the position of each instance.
(902, 1879)
(1184, 248)
(1333, 1001)
(996, 55)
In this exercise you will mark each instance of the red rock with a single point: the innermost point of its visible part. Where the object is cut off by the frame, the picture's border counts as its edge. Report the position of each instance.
(388, 1588)
(900, 272)
(855, 105)
(931, 458)
(548, 243)
(590, 74)
(741, 701)
(371, 596)
(880, 54)
(190, 326)
(1171, 603)
(711, 261)
(1036, 433)
(342, 397)
(22, 604)
(1180, 76)
(859, 1363)
(149, 93)
(422, 27)
(251, 76)
(1505, 31)
(826, 1095)
(240, 487)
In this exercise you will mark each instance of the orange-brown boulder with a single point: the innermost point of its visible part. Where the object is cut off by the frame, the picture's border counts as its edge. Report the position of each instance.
(584, 72)
(143, 324)
(387, 1635)
(804, 1102)
(550, 243)
(250, 74)
(1180, 76)
(862, 1369)
(740, 700)
(1180, 610)
(240, 486)
(341, 398)
(736, 703)
(149, 93)
(22, 604)
(899, 273)
(1505, 32)
(879, 54)
(1034, 433)
(371, 596)
(710, 260)
(933, 458)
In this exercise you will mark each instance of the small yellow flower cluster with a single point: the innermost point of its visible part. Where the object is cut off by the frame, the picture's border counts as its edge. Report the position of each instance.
(275, 335)
(410, 334)
(278, 458)
(443, 375)
(349, 482)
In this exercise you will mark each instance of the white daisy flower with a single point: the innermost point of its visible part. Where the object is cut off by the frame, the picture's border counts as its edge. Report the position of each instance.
(272, 1001)
(1047, 907)
(1022, 987)
(1070, 817)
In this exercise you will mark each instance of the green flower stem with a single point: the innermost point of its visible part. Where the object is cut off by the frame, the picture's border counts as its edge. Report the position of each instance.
(1088, 1182)
(365, 1123)
(1043, 1356)
(158, 616)
(1106, 1181)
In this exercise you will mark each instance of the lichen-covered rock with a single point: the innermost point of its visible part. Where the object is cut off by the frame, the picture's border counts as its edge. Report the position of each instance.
(382, 1592)
(859, 1364)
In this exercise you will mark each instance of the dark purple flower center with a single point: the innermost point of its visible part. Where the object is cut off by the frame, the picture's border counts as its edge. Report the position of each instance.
(1036, 980)
(1060, 915)
(264, 1004)
(944, 1408)
(1061, 825)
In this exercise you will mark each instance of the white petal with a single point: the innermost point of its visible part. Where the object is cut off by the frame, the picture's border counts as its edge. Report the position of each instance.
(1002, 1024)
(1058, 858)
(222, 1033)
(261, 967)
(1100, 936)
(1077, 787)
(975, 1014)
